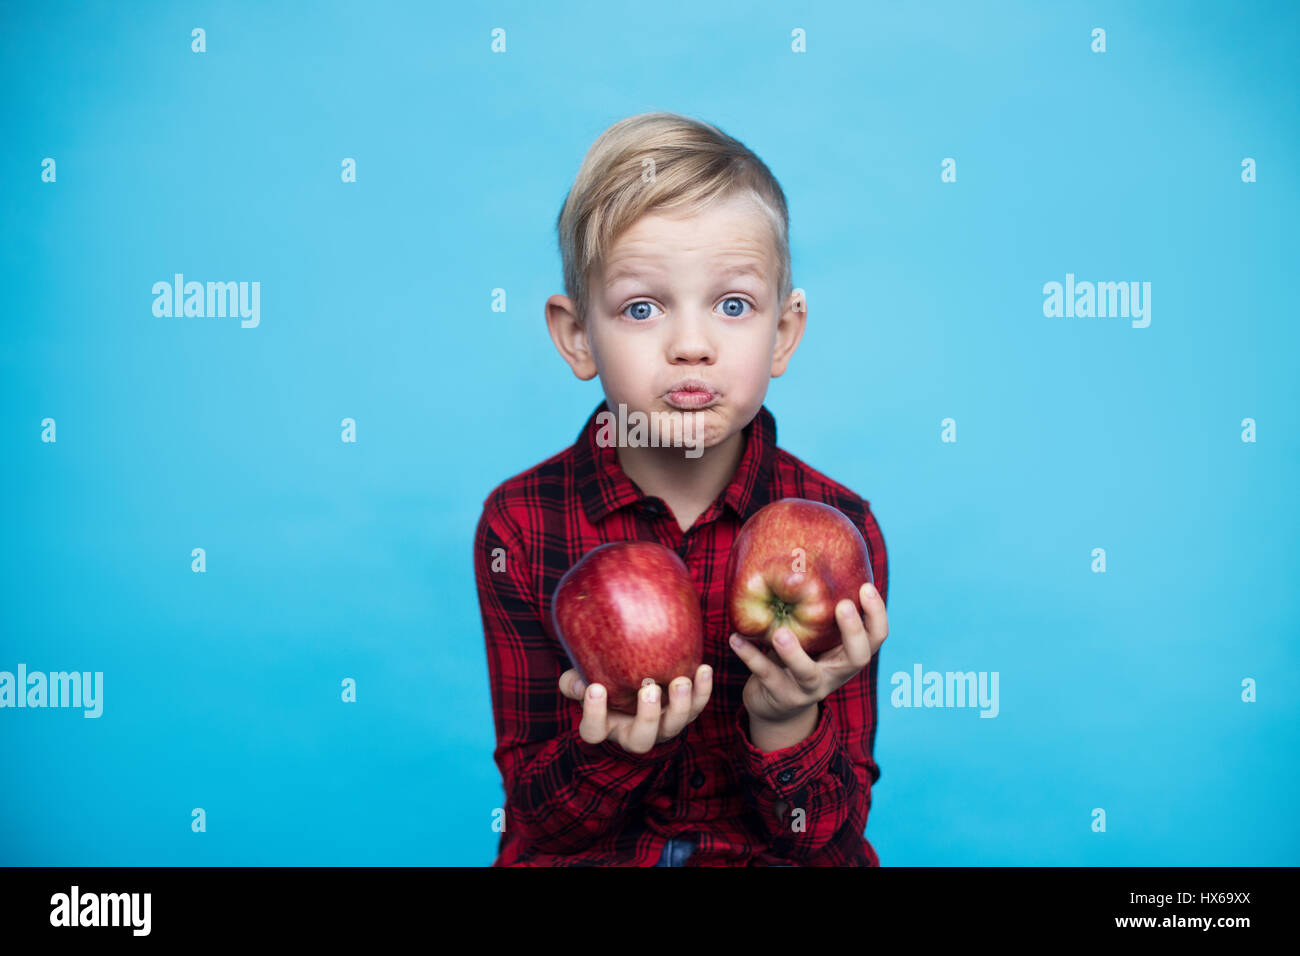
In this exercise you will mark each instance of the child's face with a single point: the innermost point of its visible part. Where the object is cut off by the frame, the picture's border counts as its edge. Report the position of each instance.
(695, 298)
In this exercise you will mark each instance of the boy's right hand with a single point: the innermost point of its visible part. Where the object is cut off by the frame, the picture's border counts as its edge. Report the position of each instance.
(652, 724)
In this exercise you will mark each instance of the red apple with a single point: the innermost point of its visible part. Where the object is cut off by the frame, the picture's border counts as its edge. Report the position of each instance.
(626, 611)
(790, 564)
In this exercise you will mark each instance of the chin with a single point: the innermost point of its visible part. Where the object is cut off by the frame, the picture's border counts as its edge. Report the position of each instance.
(707, 426)
(712, 427)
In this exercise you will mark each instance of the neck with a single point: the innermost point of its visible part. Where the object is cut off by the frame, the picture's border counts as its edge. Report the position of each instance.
(687, 485)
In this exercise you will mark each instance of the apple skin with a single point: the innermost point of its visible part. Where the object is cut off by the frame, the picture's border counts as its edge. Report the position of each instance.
(767, 587)
(626, 611)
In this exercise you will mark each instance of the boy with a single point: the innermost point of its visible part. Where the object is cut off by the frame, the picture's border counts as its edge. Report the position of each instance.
(677, 269)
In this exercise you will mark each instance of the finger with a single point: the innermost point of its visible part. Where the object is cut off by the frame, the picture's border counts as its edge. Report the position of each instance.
(571, 685)
(594, 727)
(763, 667)
(877, 619)
(857, 643)
(701, 689)
(643, 733)
(679, 708)
(806, 672)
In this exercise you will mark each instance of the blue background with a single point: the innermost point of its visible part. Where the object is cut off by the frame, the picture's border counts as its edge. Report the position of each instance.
(328, 560)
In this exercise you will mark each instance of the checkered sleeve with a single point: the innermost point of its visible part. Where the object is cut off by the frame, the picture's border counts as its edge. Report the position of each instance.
(562, 792)
(814, 797)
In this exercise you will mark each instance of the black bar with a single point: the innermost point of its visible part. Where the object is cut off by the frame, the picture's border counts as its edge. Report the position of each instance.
(334, 905)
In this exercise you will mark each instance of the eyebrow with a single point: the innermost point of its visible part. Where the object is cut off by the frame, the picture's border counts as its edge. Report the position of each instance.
(729, 272)
(626, 272)
(742, 269)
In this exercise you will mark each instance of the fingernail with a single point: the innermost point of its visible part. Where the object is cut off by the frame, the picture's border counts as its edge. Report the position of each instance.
(735, 641)
(647, 681)
(783, 638)
(595, 691)
(680, 688)
(651, 694)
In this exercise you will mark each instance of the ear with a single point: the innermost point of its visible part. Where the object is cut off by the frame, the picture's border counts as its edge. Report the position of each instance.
(569, 336)
(789, 330)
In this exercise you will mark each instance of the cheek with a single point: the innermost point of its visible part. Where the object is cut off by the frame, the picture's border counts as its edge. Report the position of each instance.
(625, 363)
(753, 357)
(753, 370)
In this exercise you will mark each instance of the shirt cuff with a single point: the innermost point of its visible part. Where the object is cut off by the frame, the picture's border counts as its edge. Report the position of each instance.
(791, 768)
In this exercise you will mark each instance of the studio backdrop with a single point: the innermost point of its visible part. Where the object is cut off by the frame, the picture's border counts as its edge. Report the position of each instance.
(1049, 254)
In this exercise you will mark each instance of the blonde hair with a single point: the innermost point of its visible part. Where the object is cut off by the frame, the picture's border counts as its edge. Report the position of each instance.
(694, 165)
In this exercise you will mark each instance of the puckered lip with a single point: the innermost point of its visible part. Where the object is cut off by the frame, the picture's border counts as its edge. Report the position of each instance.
(692, 385)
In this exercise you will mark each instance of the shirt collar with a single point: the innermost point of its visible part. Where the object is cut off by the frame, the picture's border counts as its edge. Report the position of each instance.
(604, 487)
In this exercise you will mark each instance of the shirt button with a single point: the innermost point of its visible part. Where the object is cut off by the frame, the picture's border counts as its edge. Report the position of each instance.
(697, 779)
(785, 776)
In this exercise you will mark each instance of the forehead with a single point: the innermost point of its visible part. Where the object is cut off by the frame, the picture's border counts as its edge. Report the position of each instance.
(733, 234)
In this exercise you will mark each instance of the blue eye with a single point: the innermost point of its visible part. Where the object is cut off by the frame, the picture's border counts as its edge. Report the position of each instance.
(637, 305)
(736, 298)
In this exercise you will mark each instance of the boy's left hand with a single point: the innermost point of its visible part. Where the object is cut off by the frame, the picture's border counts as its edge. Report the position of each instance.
(785, 681)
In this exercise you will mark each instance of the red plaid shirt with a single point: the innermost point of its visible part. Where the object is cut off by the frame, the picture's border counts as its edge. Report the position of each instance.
(571, 803)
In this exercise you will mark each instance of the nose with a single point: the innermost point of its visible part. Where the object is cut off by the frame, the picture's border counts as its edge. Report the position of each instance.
(689, 339)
